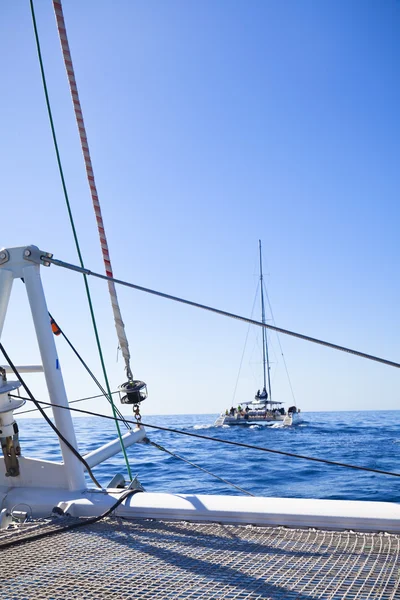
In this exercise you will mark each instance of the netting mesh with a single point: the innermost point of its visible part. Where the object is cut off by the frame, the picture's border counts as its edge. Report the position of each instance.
(120, 559)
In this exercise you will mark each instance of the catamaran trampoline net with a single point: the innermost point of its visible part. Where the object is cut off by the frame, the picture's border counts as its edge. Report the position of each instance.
(119, 559)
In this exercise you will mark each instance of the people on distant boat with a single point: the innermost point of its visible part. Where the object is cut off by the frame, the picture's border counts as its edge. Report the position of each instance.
(247, 408)
(232, 411)
(239, 409)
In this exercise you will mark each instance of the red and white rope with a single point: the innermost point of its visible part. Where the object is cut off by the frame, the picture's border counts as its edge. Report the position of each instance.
(123, 342)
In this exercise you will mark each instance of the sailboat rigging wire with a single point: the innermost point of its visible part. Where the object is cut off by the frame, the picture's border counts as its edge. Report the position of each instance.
(244, 348)
(24, 412)
(159, 447)
(148, 441)
(224, 313)
(75, 235)
(92, 375)
(54, 428)
(280, 346)
(221, 441)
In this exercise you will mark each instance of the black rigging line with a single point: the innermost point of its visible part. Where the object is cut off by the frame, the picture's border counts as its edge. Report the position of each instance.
(24, 412)
(54, 428)
(69, 526)
(147, 441)
(221, 441)
(92, 375)
(60, 263)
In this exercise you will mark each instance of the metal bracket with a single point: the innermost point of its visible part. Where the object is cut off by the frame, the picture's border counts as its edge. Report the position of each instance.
(5, 518)
(4, 256)
(33, 254)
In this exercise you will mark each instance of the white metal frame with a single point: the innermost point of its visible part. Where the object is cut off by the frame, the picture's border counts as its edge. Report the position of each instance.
(24, 262)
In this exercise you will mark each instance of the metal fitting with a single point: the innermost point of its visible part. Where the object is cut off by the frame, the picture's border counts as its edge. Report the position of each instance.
(4, 256)
(33, 254)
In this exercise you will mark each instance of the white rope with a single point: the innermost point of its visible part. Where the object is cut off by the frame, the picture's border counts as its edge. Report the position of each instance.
(119, 324)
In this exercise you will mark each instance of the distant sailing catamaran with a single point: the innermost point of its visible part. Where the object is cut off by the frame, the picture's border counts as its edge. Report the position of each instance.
(262, 409)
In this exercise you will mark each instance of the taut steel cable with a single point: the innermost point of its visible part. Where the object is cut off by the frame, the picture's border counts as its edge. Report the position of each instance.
(224, 313)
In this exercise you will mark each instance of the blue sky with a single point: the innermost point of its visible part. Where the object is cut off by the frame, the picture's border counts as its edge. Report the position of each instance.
(211, 125)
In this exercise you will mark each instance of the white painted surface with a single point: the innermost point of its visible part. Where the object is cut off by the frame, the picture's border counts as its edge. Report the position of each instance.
(35, 473)
(289, 512)
(52, 370)
(104, 452)
(6, 282)
(24, 368)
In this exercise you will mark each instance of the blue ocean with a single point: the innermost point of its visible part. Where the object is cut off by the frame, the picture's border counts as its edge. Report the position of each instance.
(368, 438)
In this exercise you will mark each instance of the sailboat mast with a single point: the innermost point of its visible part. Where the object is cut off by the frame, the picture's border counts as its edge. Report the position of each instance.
(264, 331)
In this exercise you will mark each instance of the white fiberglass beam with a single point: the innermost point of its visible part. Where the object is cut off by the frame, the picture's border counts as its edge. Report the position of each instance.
(24, 369)
(104, 452)
(54, 379)
(6, 281)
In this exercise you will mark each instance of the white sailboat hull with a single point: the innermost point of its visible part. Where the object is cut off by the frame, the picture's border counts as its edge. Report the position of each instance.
(260, 419)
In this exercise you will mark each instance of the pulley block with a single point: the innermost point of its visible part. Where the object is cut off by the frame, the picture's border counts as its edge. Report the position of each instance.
(133, 392)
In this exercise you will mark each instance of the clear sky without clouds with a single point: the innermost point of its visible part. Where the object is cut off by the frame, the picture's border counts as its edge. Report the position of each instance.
(213, 124)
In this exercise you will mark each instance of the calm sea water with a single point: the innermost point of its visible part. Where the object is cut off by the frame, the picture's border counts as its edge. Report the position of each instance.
(369, 439)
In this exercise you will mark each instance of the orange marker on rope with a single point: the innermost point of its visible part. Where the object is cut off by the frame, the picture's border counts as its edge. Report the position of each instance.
(54, 327)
